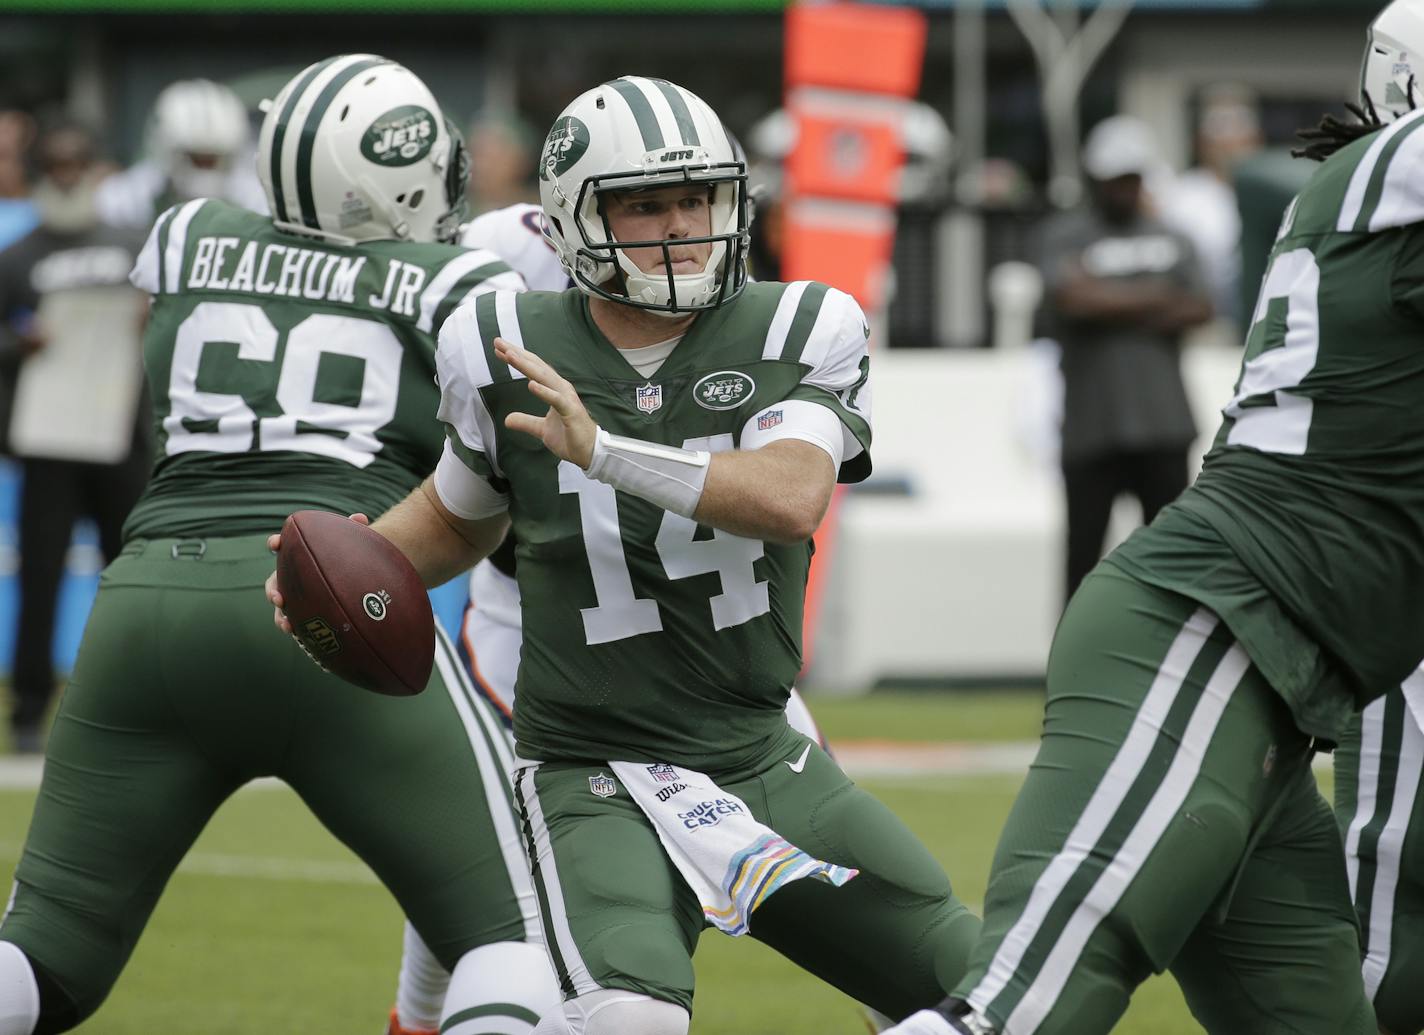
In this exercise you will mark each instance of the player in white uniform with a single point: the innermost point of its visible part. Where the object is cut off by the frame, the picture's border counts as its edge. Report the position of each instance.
(491, 632)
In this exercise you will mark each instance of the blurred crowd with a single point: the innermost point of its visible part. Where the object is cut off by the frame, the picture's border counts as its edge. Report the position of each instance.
(1150, 254)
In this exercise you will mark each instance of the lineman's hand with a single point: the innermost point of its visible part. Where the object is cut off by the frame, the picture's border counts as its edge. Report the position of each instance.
(566, 430)
(279, 617)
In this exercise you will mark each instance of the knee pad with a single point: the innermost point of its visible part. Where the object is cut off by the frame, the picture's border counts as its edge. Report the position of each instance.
(19, 992)
(612, 1011)
(505, 979)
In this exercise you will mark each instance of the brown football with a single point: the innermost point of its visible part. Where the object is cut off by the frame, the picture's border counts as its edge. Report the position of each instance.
(356, 604)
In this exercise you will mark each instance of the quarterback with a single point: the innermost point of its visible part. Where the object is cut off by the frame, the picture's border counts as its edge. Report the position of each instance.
(664, 439)
(291, 362)
(490, 629)
(1213, 651)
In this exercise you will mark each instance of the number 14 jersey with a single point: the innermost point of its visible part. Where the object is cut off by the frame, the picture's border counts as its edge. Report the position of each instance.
(1315, 484)
(646, 635)
(287, 373)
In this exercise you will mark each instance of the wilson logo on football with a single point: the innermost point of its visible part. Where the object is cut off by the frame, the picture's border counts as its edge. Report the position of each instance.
(724, 390)
(402, 136)
(375, 604)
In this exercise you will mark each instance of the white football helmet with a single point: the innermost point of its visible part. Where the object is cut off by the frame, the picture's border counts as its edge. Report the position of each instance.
(632, 134)
(198, 129)
(356, 148)
(1388, 80)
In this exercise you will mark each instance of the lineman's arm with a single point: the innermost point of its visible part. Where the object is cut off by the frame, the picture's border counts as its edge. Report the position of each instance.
(778, 493)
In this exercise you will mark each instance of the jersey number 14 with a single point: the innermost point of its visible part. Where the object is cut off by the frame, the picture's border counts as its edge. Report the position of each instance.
(620, 613)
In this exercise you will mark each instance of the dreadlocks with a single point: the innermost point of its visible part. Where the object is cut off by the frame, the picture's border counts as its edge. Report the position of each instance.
(1332, 134)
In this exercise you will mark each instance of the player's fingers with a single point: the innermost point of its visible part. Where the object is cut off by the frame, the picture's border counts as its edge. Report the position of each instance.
(273, 596)
(547, 394)
(274, 542)
(530, 365)
(527, 423)
(360, 519)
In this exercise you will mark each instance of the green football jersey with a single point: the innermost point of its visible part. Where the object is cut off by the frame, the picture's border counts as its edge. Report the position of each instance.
(646, 635)
(1314, 489)
(289, 374)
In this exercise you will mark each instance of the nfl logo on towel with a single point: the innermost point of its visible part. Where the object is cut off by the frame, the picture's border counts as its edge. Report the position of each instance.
(650, 397)
(662, 772)
(602, 786)
(767, 421)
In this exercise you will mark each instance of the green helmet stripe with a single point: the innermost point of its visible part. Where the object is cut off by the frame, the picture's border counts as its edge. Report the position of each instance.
(279, 134)
(305, 197)
(680, 111)
(642, 112)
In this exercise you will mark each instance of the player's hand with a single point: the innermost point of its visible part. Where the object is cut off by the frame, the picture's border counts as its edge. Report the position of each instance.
(566, 430)
(279, 617)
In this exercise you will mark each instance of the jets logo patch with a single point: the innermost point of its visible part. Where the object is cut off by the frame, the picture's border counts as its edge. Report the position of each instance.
(375, 604)
(724, 390)
(402, 136)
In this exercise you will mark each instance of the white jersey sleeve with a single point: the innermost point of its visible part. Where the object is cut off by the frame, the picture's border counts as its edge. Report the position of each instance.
(461, 370)
(516, 235)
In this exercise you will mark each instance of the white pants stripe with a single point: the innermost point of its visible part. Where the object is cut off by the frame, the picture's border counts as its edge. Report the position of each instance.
(1128, 861)
(542, 852)
(1101, 807)
(495, 774)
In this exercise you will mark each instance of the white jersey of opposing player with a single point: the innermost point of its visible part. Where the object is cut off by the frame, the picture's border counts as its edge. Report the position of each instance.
(516, 235)
(131, 198)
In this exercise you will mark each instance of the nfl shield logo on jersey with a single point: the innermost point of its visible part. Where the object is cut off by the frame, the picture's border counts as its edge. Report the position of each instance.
(650, 397)
(603, 786)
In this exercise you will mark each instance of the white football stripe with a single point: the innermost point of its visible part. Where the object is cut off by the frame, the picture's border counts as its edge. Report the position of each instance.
(780, 326)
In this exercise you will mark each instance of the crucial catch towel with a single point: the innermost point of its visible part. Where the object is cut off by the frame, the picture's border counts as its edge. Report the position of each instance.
(732, 862)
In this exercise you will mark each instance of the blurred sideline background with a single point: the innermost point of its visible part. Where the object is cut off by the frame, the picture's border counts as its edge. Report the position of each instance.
(967, 482)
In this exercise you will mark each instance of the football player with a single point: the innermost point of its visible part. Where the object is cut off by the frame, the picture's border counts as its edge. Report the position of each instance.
(1378, 763)
(199, 145)
(291, 360)
(1171, 820)
(490, 633)
(665, 439)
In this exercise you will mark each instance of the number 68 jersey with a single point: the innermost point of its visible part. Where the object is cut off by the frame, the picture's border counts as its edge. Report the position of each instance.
(287, 373)
(646, 635)
(1315, 483)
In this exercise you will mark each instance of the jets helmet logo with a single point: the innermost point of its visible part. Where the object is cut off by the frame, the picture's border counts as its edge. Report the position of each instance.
(402, 136)
(567, 142)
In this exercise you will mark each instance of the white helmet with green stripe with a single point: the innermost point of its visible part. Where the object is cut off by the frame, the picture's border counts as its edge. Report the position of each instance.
(355, 148)
(1388, 79)
(632, 134)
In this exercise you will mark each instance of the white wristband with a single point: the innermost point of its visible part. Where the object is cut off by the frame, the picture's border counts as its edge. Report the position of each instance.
(668, 476)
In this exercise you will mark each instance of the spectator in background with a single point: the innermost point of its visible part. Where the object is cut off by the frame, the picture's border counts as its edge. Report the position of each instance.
(199, 145)
(1120, 288)
(1201, 202)
(502, 154)
(17, 214)
(69, 349)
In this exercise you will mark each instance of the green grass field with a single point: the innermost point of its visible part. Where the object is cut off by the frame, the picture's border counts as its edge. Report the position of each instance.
(271, 926)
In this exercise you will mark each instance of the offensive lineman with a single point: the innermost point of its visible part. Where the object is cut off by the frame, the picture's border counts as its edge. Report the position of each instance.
(291, 361)
(1378, 764)
(662, 562)
(1209, 654)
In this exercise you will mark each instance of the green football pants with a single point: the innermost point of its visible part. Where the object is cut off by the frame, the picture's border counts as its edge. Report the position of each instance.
(1170, 819)
(182, 692)
(617, 913)
(1378, 806)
